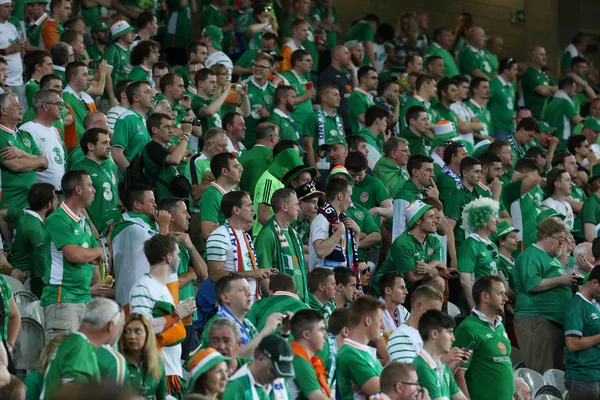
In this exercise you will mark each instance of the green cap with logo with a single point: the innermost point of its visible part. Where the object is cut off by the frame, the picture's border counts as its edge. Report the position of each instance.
(100, 26)
(545, 128)
(592, 123)
(502, 229)
(279, 351)
(215, 34)
(287, 165)
(333, 140)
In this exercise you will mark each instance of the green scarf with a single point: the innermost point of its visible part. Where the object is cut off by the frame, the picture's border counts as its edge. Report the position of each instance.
(284, 253)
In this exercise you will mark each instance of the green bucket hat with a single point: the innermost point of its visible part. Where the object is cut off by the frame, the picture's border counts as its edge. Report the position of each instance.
(502, 229)
(595, 173)
(333, 140)
(287, 165)
(481, 147)
(100, 26)
(444, 131)
(119, 29)
(202, 362)
(215, 34)
(592, 123)
(548, 213)
(414, 212)
(339, 170)
(545, 128)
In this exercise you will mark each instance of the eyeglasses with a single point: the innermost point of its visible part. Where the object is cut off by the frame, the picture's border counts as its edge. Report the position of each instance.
(458, 144)
(261, 67)
(559, 240)
(490, 247)
(57, 104)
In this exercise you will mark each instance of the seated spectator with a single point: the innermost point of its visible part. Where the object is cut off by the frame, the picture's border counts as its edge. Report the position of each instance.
(210, 371)
(284, 105)
(224, 336)
(35, 379)
(368, 191)
(393, 293)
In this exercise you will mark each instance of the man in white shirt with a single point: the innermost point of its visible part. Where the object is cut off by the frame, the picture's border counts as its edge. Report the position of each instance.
(115, 112)
(464, 113)
(560, 186)
(12, 43)
(213, 37)
(393, 292)
(48, 105)
(405, 342)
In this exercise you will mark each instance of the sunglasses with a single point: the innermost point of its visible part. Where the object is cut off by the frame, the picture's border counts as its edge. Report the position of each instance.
(490, 247)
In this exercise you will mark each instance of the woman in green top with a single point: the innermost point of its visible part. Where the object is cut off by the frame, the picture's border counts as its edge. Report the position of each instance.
(35, 380)
(143, 57)
(146, 370)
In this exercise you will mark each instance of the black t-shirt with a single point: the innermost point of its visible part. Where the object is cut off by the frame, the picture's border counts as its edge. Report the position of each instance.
(343, 81)
(157, 153)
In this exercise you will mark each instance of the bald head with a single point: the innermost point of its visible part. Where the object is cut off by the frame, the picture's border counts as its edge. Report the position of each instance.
(340, 56)
(476, 37)
(95, 120)
(495, 44)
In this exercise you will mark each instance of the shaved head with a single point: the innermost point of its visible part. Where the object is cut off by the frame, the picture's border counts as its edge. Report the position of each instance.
(95, 120)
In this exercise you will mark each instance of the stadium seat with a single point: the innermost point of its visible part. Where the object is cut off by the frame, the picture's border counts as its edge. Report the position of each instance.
(516, 358)
(546, 397)
(15, 284)
(533, 379)
(453, 310)
(556, 378)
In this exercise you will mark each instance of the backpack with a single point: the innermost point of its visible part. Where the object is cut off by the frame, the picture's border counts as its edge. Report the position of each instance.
(135, 173)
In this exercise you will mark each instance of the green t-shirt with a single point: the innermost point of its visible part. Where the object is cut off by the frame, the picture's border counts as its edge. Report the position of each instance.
(208, 122)
(590, 213)
(94, 53)
(112, 365)
(131, 135)
(558, 114)
(374, 142)
(492, 59)
(33, 382)
(506, 267)
(416, 144)
(365, 222)
(446, 185)
(361, 31)
(6, 294)
(27, 251)
(581, 320)
(157, 170)
(432, 115)
(74, 361)
(356, 364)
(502, 105)
(186, 291)
(531, 79)
(255, 162)
(287, 125)
(436, 378)
(259, 97)
(358, 102)
(471, 58)
(210, 204)
(531, 266)
(484, 116)
(332, 125)
(490, 364)
(309, 43)
(403, 255)
(31, 88)
(450, 69)
(523, 210)
(15, 185)
(303, 109)
(477, 257)
(118, 57)
(265, 187)
(305, 380)
(140, 73)
(453, 208)
(243, 386)
(369, 192)
(179, 25)
(104, 210)
(66, 282)
(319, 13)
(199, 165)
(214, 16)
(279, 302)
(144, 384)
(392, 176)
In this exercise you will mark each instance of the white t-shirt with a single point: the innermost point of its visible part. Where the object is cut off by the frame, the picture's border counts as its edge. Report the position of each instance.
(404, 344)
(220, 249)
(561, 207)
(50, 145)
(390, 323)
(112, 116)
(319, 230)
(14, 65)
(220, 58)
(466, 114)
(230, 149)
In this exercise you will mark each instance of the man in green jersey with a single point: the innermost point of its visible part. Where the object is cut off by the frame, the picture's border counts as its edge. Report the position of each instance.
(75, 97)
(399, 381)
(507, 242)
(502, 98)
(543, 289)
(324, 16)
(494, 47)
(285, 103)
(100, 35)
(305, 92)
(576, 48)
(39, 63)
(537, 86)
(278, 245)
(283, 298)
(418, 131)
(448, 95)
(478, 255)
(264, 378)
(227, 172)
(471, 59)
(391, 168)
(581, 324)
(61, 54)
(358, 367)
(425, 92)
(196, 51)
(560, 112)
(436, 328)
(440, 47)
(590, 212)
(364, 33)
(416, 253)
(322, 288)
(480, 96)
(375, 132)
(489, 369)
(118, 55)
(256, 160)
(131, 134)
(301, 9)
(70, 248)
(368, 192)
(522, 137)
(75, 359)
(361, 98)
(20, 157)
(310, 336)
(449, 179)
(208, 103)
(36, 10)
(104, 210)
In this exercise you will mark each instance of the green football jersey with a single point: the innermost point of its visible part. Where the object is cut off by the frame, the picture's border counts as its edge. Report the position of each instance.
(581, 320)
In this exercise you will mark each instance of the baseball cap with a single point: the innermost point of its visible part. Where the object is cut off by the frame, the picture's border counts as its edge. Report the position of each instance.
(333, 140)
(545, 128)
(119, 29)
(502, 229)
(592, 123)
(215, 34)
(100, 26)
(274, 54)
(548, 213)
(308, 190)
(414, 211)
(279, 351)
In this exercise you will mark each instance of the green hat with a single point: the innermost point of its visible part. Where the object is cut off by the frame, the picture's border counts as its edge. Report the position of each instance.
(36, 1)
(548, 213)
(215, 34)
(502, 229)
(202, 362)
(414, 212)
(595, 173)
(481, 147)
(341, 171)
(444, 131)
(279, 351)
(287, 165)
(545, 128)
(119, 29)
(100, 26)
(592, 123)
(333, 140)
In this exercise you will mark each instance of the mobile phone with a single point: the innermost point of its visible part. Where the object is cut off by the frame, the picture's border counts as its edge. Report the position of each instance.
(285, 319)
(579, 280)
(471, 345)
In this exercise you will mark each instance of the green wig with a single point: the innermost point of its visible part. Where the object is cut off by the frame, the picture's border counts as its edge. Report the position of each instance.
(477, 213)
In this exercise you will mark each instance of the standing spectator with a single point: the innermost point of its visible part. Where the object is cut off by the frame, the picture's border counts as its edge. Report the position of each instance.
(208, 101)
(62, 54)
(145, 366)
(53, 28)
(302, 62)
(47, 106)
(152, 297)
(341, 74)
(405, 342)
(39, 63)
(361, 98)
(416, 130)
(118, 55)
(142, 60)
(363, 33)
(77, 77)
(590, 212)
(560, 186)
(489, 369)
(561, 112)
(140, 223)
(480, 96)
(321, 284)
(400, 382)
(37, 12)
(434, 66)
(375, 132)
(471, 58)
(301, 9)
(212, 36)
(450, 180)
(256, 160)
(426, 90)
(235, 129)
(469, 124)
(441, 46)
(543, 291)
(147, 25)
(196, 51)
(358, 366)
(123, 105)
(521, 139)
(368, 191)
(20, 157)
(436, 328)
(494, 48)
(100, 35)
(576, 48)
(580, 327)
(391, 168)
(75, 359)
(502, 99)
(285, 102)
(537, 86)
(10, 322)
(299, 32)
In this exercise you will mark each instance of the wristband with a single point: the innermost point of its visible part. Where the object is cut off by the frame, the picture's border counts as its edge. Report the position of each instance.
(190, 251)
(186, 137)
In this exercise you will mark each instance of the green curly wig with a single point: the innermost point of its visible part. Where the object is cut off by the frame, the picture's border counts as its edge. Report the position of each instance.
(477, 213)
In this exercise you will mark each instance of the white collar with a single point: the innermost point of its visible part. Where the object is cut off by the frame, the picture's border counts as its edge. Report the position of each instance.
(507, 259)
(583, 297)
(484, 318)
(33, 214)
(263, 87)
(479, 238)
(502, 81)
(59, 68)
(422, 100)
(476, 104)
(434, 364)
(357, 345)
(281, 114)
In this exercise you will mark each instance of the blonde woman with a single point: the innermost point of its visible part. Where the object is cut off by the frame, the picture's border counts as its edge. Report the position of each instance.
(144, 365)
(35, 380)
(405, 40)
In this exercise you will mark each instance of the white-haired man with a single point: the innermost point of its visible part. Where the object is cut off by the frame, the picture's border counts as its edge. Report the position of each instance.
(584, 258)
(522, 390)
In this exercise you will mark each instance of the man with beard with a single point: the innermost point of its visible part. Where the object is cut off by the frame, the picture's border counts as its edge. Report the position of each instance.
(151, 297)
(478, 255)
(489, 370)
(285, 104)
